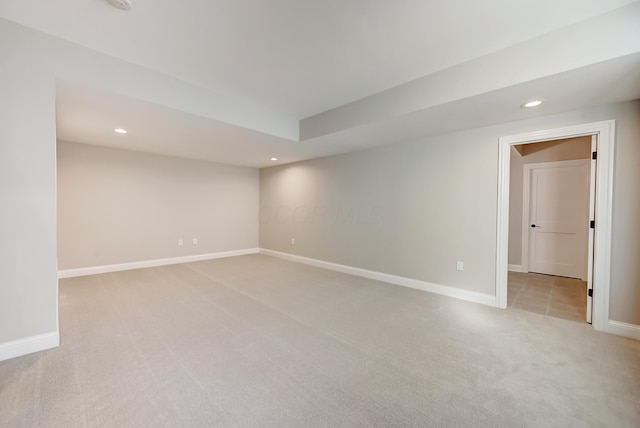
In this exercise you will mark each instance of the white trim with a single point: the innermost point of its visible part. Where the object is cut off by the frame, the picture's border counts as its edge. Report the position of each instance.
(524, 227)
(526, 202)
(623, 329)
(604, 184)
(55, 184)
(70, 273)
(516, 268)
(502, 224)
(593, 168)
(29, 345)
(471, 296)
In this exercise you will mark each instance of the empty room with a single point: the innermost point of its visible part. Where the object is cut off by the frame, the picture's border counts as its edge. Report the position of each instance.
(279, 213)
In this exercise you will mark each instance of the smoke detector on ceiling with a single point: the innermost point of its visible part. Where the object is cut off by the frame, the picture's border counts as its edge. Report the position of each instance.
(121, 4)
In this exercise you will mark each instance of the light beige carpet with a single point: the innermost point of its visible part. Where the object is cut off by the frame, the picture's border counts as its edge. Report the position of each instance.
(255, 341)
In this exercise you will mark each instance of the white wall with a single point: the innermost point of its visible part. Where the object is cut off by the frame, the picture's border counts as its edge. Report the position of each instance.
(418, 207)
(410, 210)
(28, 277)
(625, 269)
(118, 206)
(552, 151)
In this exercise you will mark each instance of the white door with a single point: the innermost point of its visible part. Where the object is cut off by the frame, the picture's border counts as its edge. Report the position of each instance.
(592, 217)
(559, 218)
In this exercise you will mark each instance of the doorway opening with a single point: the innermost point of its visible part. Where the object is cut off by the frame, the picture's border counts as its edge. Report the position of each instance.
(549, 215)
(604, 133)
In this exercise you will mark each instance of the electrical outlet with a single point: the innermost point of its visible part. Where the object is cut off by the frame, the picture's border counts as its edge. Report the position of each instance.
(179, 241)
(459, 265)
(195, 241)
(293, 241)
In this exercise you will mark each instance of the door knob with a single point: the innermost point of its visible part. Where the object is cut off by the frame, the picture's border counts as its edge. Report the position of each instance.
(533, 225)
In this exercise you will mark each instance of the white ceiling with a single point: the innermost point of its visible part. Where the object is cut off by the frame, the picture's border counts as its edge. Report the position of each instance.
(297, 57)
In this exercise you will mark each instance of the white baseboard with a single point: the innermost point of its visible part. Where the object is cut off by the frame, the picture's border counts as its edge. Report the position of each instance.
(458, 293)
(29, 345)
(623, 329)
(70, 273)
(515, 268)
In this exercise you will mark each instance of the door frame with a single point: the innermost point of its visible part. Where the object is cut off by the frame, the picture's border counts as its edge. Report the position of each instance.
(526, 201)
(605, 131)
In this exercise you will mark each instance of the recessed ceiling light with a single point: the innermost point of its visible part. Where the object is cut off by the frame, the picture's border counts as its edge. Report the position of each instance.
(121, 4)
(274, 158)
(533, 103)
(120, 131)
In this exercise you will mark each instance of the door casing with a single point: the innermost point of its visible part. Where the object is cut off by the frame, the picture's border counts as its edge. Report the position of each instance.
(605, 131)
